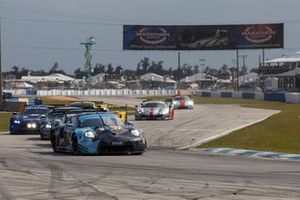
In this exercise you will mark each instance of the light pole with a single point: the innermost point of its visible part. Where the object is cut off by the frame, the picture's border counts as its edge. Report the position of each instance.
(238, 70)
(243, 56)
(202, 64)
(88, 57)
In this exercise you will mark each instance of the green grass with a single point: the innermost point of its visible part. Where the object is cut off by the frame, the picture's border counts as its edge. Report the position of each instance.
(280, 132)
(4, 122)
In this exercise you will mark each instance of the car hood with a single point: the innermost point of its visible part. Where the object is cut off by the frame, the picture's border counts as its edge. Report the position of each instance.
(115, 135)
(28, 117)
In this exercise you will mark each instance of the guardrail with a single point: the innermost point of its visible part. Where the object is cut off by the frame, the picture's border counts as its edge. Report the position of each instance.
(287, 97)
(94, 92)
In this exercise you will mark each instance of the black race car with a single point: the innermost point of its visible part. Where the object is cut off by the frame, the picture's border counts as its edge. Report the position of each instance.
(97, 133)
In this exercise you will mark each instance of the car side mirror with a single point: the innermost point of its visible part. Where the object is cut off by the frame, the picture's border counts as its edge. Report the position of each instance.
(136, 106)
(14, 113)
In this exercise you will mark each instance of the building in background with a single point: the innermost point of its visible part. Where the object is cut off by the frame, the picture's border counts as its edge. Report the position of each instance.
(284, 70)
(203, 80)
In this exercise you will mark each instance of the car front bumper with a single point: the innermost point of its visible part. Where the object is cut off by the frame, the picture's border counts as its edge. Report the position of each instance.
(22, 128)
(122, 147)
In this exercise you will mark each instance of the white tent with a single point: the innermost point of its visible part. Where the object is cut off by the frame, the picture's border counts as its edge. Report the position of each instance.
(49, 78)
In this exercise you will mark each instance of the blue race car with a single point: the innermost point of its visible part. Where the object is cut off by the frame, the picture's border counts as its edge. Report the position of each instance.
(97, 133)
(57, 116)
(29, 120)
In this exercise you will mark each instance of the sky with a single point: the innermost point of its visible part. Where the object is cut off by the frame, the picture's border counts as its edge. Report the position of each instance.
(38, 33)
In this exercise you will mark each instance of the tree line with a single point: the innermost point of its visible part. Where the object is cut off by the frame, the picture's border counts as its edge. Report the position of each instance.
(144, 66)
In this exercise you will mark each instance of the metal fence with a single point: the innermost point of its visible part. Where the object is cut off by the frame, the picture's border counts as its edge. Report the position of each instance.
(94, 92)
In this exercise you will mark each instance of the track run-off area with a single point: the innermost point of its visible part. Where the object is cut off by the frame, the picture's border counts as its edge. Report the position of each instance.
(30, 170)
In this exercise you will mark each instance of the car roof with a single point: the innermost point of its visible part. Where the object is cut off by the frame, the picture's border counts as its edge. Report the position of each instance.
(186, 97)
(38, 107)
(83, 104)
(95, 113)
(158, 102)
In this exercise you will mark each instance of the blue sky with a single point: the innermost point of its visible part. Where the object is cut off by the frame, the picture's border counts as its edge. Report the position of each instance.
(37, 33)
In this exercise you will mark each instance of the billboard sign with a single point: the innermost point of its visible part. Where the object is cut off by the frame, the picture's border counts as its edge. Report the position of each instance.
(207, 37)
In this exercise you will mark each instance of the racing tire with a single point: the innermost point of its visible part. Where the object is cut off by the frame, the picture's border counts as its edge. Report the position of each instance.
(76, 150)
(137, 154)
(137, 119)
(12, 132)
(42, 137)
(53, 143)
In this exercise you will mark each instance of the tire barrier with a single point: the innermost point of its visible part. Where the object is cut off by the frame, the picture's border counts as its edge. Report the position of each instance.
(275, 96)
(268, 96)
(248, 95)
(226, 94)
(31, 92)
(93, 92)
(206, 94)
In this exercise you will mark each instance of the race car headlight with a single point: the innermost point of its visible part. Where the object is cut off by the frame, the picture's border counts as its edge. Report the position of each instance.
(135, 132)
(48, 126)
(140, 110)
(90, 134)
(31, 125)
(163, 111)
(190, 103)
(17, 121)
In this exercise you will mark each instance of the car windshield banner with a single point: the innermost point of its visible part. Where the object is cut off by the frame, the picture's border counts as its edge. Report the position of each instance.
(208, 37)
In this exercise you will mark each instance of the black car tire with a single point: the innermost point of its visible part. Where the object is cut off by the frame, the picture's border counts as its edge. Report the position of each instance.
(76, 150)
(137, 154)
(137, 118)
(53, 143)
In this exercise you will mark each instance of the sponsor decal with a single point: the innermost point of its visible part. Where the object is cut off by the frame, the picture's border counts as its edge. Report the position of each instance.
(258, 33)
(182, 103)
(151, 112)
(35, 108)
(153, 36)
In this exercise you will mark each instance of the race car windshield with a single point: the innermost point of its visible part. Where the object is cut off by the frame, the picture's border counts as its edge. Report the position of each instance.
(152, 105)
(179, 98)
(35, 111)
(57, 115)
(90, 122)
(112, 121)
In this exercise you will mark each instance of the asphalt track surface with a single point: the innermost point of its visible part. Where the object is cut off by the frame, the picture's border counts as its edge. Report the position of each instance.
(30, 170)
(191, 127)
